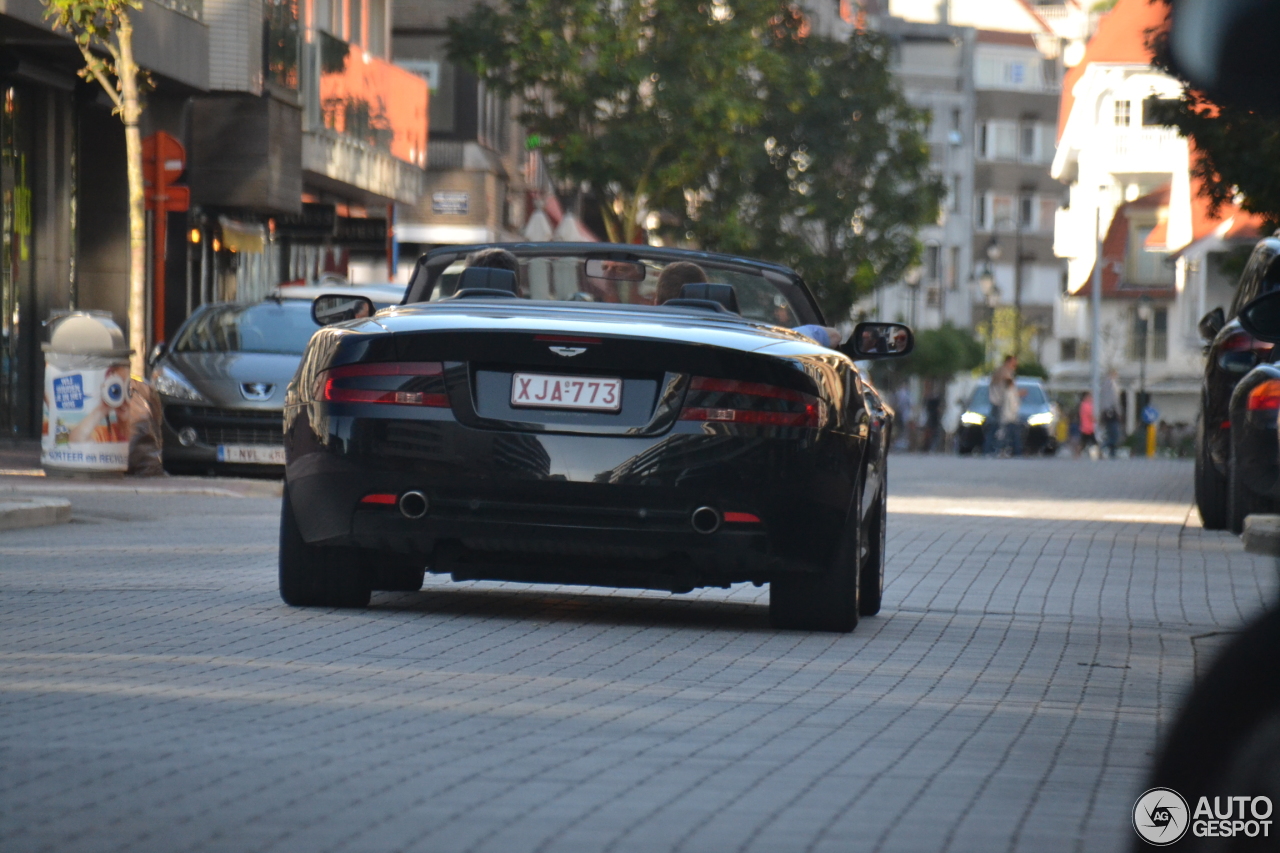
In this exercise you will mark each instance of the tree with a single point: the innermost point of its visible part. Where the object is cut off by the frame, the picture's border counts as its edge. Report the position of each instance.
(1237, 150)
(835, 181)
(939, 354)
(631, 101)
(103, 26)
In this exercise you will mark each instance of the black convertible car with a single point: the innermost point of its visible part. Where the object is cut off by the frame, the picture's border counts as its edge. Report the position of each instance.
(552, 424)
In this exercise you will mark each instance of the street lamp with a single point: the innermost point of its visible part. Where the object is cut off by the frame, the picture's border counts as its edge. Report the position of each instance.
(1144, 313)
(993, 254)
(990, 293)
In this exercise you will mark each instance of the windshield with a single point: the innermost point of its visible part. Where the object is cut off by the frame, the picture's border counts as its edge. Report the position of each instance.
(568, 279)
(1033, 397)
(265, 327)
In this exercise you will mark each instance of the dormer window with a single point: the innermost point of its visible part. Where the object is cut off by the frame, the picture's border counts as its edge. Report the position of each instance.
(1122, 113)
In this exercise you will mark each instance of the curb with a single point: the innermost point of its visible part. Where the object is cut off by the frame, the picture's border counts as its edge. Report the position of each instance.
(1262, 534)
(219, 487)
(33, 512)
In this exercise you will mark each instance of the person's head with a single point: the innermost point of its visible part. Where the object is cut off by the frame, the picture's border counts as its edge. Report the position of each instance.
(1011, 359)
(498, 259)
(675, 276)
(1086, 396)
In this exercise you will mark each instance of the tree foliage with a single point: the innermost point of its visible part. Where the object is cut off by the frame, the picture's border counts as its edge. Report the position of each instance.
(740, 129)
(1237, 150)
(631, 99)
(835, 181)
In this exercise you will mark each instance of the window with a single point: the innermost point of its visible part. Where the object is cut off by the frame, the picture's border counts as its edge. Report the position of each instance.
(954, 205)
(932, 260)
(1146, 268)
(355, 22)
(1026, 211)
(1027, 143)
(955, 119)
(1160, 334)
(1001, 211)
(377, 41)
(953, 268)
(980, 210)
(1149, 338)
(982, 139)
(1122, 113)
(1048, 212)
(1068, 347)
(1153, 105)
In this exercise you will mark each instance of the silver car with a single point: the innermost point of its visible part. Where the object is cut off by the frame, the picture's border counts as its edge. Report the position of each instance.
(223, 380)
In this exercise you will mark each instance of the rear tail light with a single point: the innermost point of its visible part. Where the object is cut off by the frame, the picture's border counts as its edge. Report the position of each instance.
(1239, 341)
(415, 383)
(754, 403)
(1265, 398)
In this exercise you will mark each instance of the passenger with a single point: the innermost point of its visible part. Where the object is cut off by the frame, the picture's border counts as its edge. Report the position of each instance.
(497, 259)
(675, 276)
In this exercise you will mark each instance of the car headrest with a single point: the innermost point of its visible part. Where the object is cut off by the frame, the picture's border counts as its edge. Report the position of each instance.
(486, 281)
(716, 297)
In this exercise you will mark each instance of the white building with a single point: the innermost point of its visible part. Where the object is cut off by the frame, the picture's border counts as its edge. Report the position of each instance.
(1161, 265)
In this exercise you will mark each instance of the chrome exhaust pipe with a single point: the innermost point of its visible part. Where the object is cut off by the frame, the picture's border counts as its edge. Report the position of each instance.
(706, 519)
(413, 504)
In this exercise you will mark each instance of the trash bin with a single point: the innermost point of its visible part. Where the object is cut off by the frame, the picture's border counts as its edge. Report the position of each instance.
(86, 388)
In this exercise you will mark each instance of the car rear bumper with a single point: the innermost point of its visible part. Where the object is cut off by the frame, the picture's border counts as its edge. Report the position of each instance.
(614, 510)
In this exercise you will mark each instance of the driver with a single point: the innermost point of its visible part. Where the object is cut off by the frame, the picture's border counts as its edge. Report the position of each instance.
(675, 276)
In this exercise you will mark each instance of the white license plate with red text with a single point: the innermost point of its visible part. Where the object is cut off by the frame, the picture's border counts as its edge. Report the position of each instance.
(544, 391)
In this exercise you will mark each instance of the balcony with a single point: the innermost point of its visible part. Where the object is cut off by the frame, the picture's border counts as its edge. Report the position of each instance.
(364, 121)
(1145, 149)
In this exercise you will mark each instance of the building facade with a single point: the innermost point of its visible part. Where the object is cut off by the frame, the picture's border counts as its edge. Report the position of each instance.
(64, 240)
(482, 181)
(1164, 256)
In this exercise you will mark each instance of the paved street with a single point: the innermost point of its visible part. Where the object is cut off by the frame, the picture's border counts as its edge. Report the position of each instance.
(1042, 620)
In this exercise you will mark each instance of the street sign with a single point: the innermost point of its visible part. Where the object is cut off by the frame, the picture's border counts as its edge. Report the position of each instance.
(168, 151)
(1150, 415)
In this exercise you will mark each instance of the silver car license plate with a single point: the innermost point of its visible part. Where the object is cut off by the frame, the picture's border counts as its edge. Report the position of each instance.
(251, 454)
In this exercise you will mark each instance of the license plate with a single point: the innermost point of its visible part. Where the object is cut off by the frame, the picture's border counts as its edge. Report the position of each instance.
(588, 393)
(251, 454)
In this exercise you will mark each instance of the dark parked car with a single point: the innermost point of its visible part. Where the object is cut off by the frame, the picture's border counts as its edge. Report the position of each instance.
(222, 382)
(1037, 418)
(1232, 353)
(553, 425)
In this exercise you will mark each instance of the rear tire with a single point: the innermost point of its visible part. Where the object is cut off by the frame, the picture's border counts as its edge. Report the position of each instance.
(1241, 501)
(826, 601)
(317, 576)
(871, 575)
(1211, 487)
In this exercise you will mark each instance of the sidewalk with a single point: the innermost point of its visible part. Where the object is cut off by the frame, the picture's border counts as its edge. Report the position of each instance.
(29, 498)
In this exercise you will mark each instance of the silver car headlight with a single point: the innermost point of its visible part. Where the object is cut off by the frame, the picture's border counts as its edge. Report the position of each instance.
(1041, 419)
(171, 383)
(973, 419)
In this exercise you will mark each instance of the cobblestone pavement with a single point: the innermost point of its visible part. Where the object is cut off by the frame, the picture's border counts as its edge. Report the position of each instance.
(1042, 621)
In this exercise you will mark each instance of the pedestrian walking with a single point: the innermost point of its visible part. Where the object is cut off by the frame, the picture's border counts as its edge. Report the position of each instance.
(1109, 411)
(1011, 419)
(902, 408)
(1001, 379)
(1088, 437)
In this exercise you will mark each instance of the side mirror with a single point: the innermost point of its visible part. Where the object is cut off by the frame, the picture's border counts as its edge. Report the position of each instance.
(1212, 323)
(879, 340)
(331, 308)
(1261, 317)
(157, 352)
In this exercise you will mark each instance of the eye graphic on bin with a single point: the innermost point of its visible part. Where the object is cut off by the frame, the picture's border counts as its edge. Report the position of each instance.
(114, 391)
